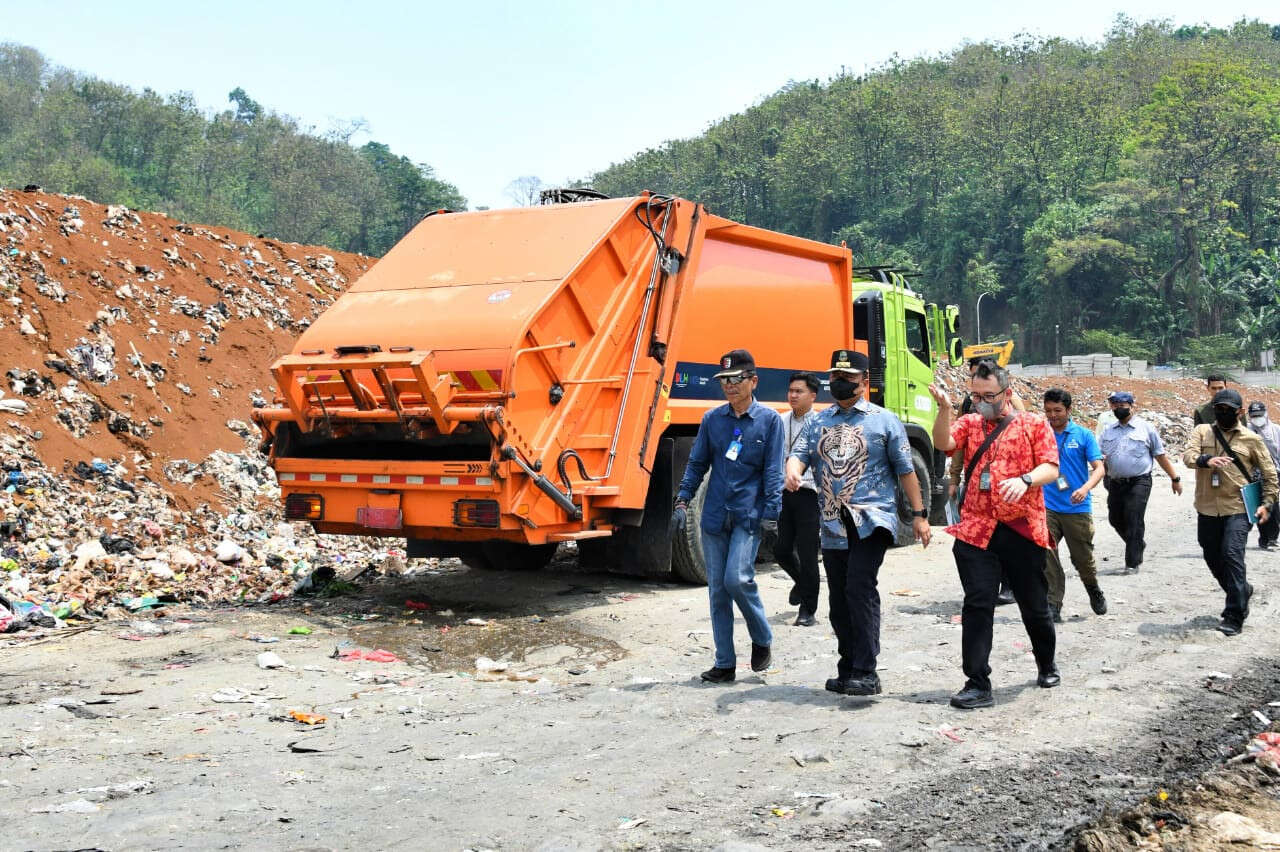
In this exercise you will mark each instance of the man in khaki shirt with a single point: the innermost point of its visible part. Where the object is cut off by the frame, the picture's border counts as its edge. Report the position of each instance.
(1223, 525)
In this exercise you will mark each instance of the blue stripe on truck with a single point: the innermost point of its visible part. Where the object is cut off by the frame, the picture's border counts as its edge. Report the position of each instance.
(697, 381)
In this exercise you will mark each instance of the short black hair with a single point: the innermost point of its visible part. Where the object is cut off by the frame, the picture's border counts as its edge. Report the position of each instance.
(973, 362)
(988, 369)
(1058, 395)
(810, 380)
(1215, 377)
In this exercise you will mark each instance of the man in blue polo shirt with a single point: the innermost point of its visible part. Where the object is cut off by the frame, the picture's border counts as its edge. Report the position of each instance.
(1069, 507)
(741, 443)
(1131, 447)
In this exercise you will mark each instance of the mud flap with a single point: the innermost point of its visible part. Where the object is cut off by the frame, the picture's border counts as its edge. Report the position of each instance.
(645, 549)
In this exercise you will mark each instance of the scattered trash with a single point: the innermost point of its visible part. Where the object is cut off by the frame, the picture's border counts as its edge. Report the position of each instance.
(307, 718)
(78, 806)
(419, 605)
(628, 824)
(477, 622)
(484, 664)
(299, 631)
(270, 660)
(376, 656)
(907, 593)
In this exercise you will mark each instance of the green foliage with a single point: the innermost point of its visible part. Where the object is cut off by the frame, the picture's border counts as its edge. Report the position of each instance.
(1125, 185)
(1215, 352)
(1115, 342)
(246, 168)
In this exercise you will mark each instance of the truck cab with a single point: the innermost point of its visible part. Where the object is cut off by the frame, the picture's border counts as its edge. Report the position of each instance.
(906, 338)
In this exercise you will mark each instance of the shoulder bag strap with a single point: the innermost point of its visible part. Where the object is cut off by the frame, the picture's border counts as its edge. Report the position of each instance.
(1222, 439)
(1004, 421)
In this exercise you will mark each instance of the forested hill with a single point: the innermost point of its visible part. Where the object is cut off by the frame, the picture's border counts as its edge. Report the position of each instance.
(1125, 191)
(245, 168)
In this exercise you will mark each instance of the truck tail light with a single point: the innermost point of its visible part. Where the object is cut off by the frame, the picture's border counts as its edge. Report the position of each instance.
(304, 507)
(475, 513)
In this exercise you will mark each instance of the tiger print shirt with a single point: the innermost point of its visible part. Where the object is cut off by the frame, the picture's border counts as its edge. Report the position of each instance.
(856, 455)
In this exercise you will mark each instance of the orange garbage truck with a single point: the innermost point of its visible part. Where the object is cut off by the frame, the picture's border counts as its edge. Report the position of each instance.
(506, 380)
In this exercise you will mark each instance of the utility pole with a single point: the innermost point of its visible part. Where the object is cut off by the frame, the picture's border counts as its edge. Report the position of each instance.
(1057, 359)
(977, 314)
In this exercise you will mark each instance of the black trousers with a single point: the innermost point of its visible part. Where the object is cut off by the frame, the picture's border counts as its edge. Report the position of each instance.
(854, 597)
(1223, 540)
(1269, 530)
(1023, 561)
(798, 541)
(1127, 512)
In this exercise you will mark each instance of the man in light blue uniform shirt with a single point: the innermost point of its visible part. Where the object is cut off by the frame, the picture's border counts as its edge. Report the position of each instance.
(741, 443)
(1068, 504)
(859, 454)
(1130, 445)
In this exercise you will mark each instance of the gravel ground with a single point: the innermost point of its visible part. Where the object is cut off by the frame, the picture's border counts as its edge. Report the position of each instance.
(596, 733)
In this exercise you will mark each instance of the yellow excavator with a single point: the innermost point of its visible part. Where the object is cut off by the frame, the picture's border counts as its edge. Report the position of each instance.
(998, 352)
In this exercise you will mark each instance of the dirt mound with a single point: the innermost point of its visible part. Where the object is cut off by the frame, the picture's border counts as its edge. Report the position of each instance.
(134, 348)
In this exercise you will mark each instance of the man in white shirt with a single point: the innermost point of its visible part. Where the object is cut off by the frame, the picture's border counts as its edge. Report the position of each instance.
(797, 547)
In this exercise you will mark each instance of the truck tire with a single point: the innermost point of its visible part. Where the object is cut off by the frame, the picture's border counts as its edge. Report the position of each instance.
(509, 556)
(906, 535)
(686, 544)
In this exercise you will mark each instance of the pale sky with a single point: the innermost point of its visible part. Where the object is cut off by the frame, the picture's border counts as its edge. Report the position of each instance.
(486, 92)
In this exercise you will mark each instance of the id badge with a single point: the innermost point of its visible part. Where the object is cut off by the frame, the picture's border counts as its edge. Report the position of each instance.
(1062, 483)
(1214, 481)
(984, 481)
(732, 453)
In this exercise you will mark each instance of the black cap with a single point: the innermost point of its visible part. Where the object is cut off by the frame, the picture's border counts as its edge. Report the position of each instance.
(736, 363)
(1228, 397)
(1256, 407)
(849, 361)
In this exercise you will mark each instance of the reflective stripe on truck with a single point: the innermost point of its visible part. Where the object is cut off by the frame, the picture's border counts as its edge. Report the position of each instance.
(384, 479)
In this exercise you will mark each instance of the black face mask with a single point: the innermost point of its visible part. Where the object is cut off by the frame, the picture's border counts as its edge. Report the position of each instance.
(1123, 413)
(1226, 419)
(844, 390)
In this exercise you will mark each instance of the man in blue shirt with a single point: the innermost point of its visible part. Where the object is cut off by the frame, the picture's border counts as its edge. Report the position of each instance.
(860, 454)
(1069, 508)
(1130, 446)
(741, 443)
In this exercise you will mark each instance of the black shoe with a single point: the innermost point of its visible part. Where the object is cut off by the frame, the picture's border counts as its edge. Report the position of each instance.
(1230, 628)
(1005, 596)
(1248, 593)
(1097, 600)
(836, 685)
(718, 675)
(971, 698)
(1056, 612)
(1049, 678)
(794, 597)
(865, 685)
(1131, 569)
(805, 619)
(761, 657)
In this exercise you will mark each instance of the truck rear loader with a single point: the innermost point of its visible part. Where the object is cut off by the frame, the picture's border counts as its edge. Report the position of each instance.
(504, 381)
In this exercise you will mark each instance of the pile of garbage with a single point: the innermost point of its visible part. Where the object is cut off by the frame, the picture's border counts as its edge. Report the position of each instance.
(134, 348)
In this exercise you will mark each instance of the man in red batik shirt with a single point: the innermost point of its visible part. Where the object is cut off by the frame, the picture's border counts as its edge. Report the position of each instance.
(1003, 527)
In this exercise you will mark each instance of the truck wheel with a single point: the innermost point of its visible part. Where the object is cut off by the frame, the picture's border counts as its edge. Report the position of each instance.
(509, 556)
(686, 544)
(905, 534)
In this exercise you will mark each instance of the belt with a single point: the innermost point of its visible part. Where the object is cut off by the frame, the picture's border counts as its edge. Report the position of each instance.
(1146, 475)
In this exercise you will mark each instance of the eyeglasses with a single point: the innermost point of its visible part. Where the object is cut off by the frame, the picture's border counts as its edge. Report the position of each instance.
(735, 380)
(986, 397)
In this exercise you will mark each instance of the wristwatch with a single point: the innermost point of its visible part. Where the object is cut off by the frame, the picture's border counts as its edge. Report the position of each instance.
(920, 513)
(1176, 479)
(1026, 477)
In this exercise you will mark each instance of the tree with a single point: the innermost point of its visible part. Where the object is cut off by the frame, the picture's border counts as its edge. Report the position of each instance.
(524, 191)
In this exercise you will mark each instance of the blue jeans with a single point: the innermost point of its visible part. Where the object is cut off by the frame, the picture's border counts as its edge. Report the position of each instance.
(731, 578)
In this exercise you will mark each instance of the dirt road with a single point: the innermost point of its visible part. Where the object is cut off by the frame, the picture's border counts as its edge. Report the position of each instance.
(598, 734)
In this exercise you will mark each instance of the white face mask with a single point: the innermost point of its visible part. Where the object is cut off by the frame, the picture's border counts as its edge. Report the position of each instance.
(1259, 421)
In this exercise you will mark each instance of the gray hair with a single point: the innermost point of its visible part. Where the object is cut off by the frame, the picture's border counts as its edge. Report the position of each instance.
(989, 370)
